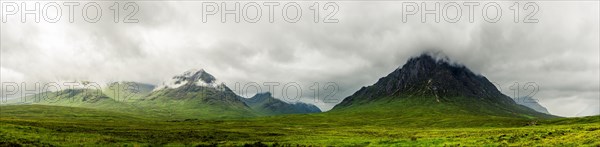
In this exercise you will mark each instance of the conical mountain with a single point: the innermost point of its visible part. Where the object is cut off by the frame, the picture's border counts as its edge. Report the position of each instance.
(435, 83)
(197, 94)
(194, 84)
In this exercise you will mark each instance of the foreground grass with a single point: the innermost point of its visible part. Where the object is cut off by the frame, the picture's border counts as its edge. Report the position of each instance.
(66, 126)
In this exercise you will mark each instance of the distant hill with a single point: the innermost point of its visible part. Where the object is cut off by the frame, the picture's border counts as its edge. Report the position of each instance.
(266, 104)
(127, 91)
(532, 103)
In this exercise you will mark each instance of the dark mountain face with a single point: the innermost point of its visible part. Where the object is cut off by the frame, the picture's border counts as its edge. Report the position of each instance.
(307, 108)
(426, 77)
(195, 76)
(258, 99)
(265, 103)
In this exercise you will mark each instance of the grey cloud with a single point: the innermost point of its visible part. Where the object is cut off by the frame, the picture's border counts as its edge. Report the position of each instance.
(560, 53)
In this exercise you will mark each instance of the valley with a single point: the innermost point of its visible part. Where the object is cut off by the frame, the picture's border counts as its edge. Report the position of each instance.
(426, 102)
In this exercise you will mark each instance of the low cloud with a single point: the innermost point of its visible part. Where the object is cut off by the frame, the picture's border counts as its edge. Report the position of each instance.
(560, 53)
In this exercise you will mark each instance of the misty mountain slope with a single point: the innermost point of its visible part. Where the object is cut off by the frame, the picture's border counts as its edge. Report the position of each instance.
(86, 98)
(194, 94)
(68, 97)
(531, 103)
(425, 80)
(128, 91)
(265, 104)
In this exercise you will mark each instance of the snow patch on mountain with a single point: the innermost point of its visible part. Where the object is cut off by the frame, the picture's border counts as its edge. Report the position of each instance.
(197, 77)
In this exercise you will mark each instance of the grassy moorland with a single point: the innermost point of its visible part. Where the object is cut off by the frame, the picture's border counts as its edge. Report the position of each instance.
(400, 124)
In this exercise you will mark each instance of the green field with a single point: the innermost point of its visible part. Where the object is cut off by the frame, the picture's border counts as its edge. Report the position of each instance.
(41, 125)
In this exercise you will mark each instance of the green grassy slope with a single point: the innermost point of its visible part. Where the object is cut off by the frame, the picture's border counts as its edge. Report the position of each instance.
(73, 98)
(419, 113)
(127, 91)
(198, 103)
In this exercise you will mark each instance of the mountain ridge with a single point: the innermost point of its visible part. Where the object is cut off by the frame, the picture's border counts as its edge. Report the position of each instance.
(266, 103)
(193, 94)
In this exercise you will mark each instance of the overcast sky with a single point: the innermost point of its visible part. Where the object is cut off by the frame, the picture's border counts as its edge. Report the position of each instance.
(560, 53)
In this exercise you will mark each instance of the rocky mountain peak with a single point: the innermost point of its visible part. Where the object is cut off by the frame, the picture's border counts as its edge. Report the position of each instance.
(431, 76)
(193, 77)
(264, 94)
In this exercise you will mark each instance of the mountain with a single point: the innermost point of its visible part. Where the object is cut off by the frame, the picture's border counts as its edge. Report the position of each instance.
(87, 93)
(69, 97)
(193, 77)
(128, 91)
(79, 94)
(266, 104)
(432, 84)
(532, 103)
(85, 98)
(197, 94)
